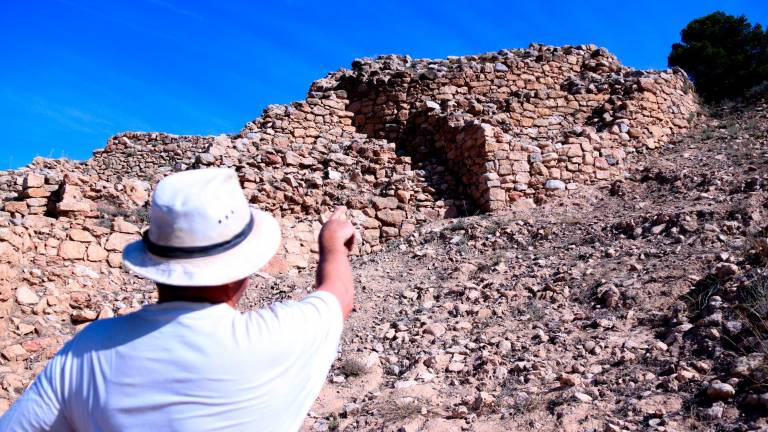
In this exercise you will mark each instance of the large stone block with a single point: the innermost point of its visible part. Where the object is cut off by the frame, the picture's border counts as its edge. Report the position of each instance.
(380, 203)
(117, 241)
(69, 206)
(72, 250)
(39, 192)
(391, 217)
(19, 207)
(96, 253)
(81, 236)
(33, 180)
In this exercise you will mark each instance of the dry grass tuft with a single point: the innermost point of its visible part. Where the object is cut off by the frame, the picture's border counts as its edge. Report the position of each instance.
(353, 368)
(400, 408)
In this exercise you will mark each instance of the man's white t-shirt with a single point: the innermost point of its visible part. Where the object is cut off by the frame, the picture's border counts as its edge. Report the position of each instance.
(184, 366)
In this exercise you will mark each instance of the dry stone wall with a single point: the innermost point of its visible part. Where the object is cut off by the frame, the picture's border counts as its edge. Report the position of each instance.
(147, 156)
(555, 117)
(399, 141)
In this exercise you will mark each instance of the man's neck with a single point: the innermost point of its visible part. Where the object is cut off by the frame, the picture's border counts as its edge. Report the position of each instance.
(172, 297)
(229, 294)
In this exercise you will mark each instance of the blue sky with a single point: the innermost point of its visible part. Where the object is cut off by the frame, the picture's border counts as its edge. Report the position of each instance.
(74, 72)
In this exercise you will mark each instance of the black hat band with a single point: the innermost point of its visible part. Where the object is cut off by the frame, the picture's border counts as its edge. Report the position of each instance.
(180, 252)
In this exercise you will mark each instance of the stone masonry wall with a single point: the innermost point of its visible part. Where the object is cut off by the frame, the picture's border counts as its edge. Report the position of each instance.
(398, 141)
(146, 155)
(565, 115)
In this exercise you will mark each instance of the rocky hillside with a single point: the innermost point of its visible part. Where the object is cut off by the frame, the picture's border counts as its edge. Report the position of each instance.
(548, 240)
(639, 304)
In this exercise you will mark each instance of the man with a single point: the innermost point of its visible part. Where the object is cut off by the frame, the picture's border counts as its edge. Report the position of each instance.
(192, 362)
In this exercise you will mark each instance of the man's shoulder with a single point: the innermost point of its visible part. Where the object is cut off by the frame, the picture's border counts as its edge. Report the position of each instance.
(100, 335)
(317, 312)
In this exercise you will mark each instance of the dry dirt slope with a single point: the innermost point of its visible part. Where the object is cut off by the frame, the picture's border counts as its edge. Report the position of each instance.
(637, 305)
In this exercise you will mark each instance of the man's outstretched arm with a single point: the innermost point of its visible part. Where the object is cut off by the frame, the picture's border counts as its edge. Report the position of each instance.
(334, 273)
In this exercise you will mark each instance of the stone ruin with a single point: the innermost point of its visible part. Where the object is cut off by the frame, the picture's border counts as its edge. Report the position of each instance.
(399, 141)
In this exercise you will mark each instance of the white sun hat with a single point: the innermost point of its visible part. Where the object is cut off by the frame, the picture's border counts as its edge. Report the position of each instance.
(202, 232)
